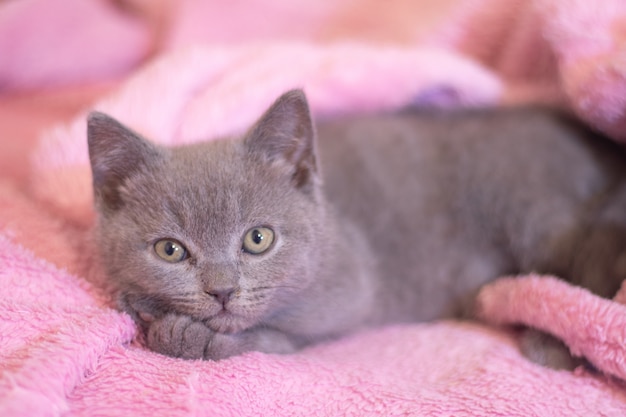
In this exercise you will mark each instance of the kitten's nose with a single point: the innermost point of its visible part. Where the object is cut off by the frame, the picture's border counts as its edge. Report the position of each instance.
(222, 295)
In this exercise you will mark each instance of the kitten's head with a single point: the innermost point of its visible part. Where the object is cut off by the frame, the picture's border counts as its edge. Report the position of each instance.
(226, 231)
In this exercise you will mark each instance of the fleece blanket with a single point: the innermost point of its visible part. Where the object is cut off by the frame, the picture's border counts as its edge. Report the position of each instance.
(65, 351)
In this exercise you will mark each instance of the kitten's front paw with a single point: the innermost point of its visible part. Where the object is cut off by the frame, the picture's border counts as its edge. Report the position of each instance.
(179, 336)
(182, 337)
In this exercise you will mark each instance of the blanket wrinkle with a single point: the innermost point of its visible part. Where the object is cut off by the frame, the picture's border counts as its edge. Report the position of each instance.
(589, 43)
(550, 45)
(58, 333)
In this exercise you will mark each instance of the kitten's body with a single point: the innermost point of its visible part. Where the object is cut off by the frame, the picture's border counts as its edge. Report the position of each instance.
(448, 201)
(392, 218)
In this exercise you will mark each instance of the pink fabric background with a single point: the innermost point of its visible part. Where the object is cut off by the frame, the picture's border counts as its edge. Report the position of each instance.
(64, 351)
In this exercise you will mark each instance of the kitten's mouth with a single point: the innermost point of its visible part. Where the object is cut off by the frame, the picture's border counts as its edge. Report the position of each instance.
(224, 312)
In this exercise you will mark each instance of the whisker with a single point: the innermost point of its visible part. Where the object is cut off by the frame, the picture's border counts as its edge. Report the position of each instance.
(273, 287)
(182, 299)
(186, 294)
(182, 296)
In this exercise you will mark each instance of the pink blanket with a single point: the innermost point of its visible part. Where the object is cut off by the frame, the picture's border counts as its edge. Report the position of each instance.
(64, 351)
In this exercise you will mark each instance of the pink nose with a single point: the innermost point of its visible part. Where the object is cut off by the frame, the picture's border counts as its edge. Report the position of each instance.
(222, 295)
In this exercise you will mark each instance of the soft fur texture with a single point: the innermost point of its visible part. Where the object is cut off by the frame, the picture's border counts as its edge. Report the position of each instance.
(76, 364)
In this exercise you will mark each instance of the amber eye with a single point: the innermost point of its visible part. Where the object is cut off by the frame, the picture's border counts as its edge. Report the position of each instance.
(258, 240)
(170, 250)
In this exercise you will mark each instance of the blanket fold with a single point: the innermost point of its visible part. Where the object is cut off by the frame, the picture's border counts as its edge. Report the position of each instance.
(591, 326)
(218, 92)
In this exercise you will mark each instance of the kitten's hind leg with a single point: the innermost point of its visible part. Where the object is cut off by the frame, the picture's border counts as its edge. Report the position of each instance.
(544, 349)
(537, 346)
(600, 262)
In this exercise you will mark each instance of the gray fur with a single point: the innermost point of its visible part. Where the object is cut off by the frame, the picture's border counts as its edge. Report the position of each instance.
(379, 219)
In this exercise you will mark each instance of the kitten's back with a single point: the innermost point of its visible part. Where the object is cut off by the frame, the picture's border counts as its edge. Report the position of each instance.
(451, 200)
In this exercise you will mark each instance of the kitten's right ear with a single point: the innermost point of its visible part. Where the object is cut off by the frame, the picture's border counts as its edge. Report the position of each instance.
(285, 133)
(115, 153)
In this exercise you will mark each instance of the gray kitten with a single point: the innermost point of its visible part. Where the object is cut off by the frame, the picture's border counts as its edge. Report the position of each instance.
(287, 236)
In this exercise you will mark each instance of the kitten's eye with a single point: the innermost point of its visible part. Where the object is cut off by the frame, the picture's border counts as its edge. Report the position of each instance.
(258, 240)
(170, 250)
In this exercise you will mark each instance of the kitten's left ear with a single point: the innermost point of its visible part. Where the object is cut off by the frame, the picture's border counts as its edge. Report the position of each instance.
(115, 153)
(286, 133)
